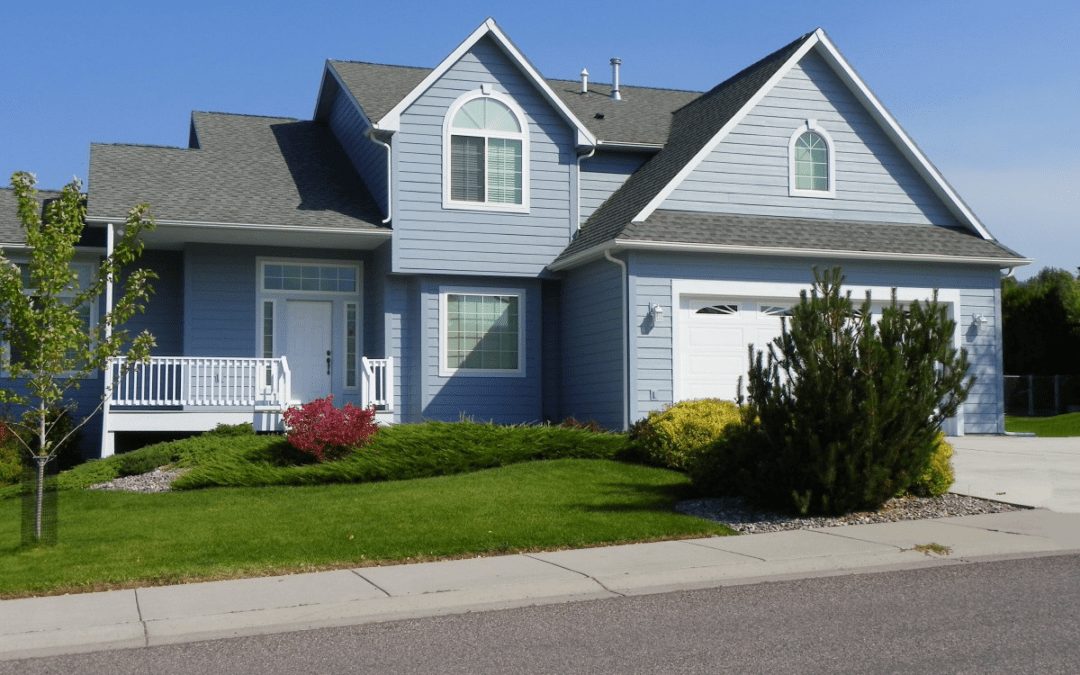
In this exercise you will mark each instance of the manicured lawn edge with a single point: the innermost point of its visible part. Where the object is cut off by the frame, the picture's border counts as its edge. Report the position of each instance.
(1058, 426)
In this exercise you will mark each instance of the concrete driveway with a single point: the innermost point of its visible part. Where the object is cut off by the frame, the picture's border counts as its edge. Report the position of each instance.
(1041, 472)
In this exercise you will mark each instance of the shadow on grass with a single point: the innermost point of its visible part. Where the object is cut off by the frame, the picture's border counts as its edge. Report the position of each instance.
(642, 497)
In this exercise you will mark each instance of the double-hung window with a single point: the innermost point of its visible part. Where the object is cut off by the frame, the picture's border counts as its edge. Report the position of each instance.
(87, 312)
(486, 154)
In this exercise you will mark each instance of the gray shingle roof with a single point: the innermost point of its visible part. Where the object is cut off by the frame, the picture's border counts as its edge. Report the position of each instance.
(11, 231)
(249, 170)
(692, 127)
(643, 116)
(814, 235)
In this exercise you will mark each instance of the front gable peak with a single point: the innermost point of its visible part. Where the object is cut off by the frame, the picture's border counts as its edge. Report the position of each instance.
(391, 121)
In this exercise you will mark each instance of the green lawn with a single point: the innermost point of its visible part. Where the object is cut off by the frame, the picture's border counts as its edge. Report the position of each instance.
(116, 539)
(1057, 426)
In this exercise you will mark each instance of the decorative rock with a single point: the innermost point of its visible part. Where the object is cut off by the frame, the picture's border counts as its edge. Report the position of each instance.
(157, 480)
(738, 515)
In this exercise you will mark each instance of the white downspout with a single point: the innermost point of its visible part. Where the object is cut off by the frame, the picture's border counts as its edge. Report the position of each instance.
(624, 320)
(578, 200)
(108, 439)
(370, 133)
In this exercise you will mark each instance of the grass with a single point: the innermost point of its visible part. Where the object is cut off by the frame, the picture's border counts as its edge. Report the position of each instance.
(119, 539)
(1057, 426)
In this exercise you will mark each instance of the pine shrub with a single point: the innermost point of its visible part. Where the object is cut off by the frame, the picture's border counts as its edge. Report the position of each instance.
(673, 437)
(844, 413)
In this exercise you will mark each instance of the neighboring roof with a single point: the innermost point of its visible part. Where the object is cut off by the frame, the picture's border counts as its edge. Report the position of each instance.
(775, 234)
(247, 170)
(692, 127)
(11, 230)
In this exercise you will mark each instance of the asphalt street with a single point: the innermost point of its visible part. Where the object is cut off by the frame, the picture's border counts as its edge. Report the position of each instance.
(1013, 616)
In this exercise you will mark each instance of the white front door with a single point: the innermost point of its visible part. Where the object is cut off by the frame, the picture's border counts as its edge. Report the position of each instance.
(308, 347)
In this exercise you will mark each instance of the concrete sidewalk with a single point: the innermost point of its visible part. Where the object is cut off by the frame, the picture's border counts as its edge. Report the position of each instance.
(171, 614)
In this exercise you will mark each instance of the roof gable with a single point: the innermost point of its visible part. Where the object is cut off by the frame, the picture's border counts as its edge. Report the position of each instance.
(820, 42)
(391, 120)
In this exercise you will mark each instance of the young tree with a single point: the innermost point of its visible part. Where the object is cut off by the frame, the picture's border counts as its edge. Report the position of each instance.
(844, 411)
(44, 306)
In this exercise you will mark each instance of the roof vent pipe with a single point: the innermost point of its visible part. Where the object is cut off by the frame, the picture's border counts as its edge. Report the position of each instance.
(615, 63)
(584, 81)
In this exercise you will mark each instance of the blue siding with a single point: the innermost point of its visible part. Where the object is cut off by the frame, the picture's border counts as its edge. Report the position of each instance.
(652, 353)
(592, 367)
(603, 174)
(430, 239)
(503, 400)
(349, 126)
(748, 172)
(164, 316)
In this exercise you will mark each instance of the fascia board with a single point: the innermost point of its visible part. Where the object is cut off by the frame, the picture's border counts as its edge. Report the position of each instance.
(391, 121)
(676, 247)
(637, 244)
(884, 118)
(725, 130)
(387, 233)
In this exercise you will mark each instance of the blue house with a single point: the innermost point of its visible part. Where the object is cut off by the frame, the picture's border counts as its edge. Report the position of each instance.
(477, 240)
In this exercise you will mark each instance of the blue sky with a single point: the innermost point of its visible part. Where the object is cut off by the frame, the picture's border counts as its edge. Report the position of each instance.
(989, 90)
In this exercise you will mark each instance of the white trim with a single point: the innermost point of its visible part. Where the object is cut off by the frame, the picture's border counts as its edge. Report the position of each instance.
(788, 292)
(819, 41)
(445, 371)
(646, 245)
(385, 233)
(830, 147)
(449, 130)
(738, 117)
(391, 121)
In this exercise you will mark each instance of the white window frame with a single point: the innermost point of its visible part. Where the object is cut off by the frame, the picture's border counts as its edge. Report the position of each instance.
(523, 136)
(86, 271)
(444, 324)
(812, 126)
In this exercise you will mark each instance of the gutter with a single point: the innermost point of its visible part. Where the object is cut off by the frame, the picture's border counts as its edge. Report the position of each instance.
(635, 244)
(252, 226)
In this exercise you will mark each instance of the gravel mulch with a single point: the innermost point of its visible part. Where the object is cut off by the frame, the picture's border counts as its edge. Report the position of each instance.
(157, 480)
(738, 515)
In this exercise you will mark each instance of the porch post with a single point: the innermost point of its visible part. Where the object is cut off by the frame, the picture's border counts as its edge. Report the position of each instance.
(108, 438)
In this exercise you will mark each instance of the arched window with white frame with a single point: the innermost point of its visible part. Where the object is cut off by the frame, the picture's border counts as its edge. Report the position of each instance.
(812, 162)
(485, 153)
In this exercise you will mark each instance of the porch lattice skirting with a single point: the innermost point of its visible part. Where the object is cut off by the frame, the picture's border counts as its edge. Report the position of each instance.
(191, 393)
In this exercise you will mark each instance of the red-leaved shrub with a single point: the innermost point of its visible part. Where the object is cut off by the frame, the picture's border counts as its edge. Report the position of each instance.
(329, 433)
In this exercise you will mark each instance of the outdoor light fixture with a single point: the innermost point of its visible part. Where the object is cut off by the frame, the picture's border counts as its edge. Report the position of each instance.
(978, 320)
(656, 312)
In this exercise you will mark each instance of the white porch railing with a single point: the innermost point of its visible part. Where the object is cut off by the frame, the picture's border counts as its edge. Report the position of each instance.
(185, 381)
(378, 383)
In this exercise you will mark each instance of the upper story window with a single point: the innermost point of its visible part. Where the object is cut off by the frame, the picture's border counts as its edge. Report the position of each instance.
(486, 154)
(812, 162)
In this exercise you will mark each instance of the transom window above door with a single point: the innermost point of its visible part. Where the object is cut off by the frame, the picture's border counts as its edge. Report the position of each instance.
(486, 154)
(309, 278)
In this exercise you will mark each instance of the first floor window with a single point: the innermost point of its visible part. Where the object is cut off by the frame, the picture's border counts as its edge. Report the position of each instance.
(483, 333)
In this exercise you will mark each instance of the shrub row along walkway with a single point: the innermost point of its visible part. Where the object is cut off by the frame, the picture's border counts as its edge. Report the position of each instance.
(171, 614)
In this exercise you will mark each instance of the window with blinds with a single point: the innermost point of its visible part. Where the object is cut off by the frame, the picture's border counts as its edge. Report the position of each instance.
(487, 150)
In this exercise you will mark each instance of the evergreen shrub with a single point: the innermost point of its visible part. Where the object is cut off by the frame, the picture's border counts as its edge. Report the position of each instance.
(673, 437)
(845, 412)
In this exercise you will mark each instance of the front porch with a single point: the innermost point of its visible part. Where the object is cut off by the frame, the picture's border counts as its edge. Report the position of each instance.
(189, 394)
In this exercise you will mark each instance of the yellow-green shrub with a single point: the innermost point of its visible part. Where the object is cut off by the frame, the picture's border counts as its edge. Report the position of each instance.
(939, 476)
(11, 464)
(673, 436)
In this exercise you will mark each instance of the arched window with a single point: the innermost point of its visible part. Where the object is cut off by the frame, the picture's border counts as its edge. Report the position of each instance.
(812, 162)
(486, 154)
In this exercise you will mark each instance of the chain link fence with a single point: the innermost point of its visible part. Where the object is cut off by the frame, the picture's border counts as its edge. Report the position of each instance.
(1041, 395)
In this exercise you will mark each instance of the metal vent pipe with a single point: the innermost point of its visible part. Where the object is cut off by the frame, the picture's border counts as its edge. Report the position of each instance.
(615, 95)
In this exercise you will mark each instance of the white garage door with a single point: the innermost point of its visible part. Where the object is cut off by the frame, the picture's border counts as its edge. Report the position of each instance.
(714, 332)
